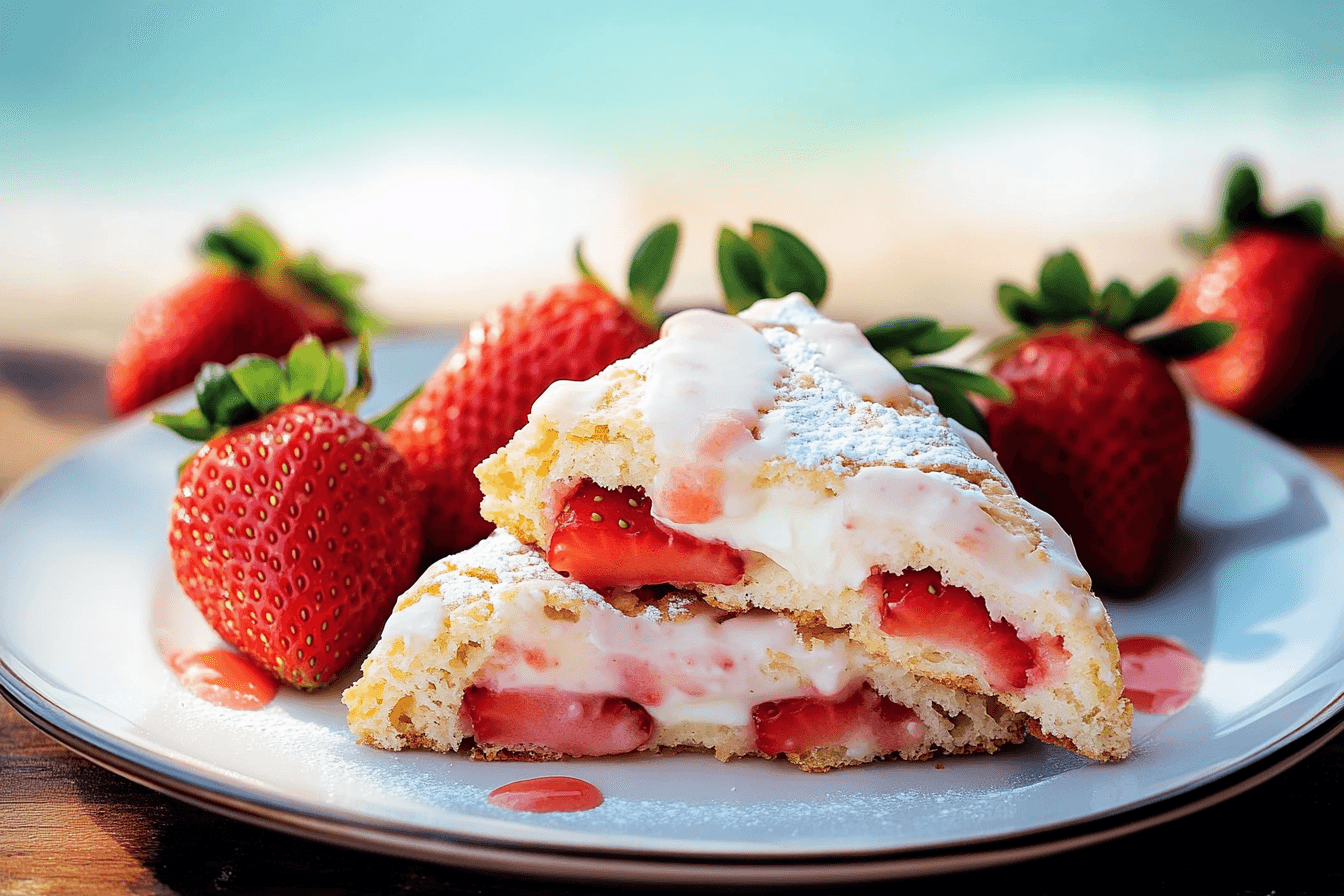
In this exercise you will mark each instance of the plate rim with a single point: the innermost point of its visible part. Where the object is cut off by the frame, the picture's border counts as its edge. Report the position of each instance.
(197, 787)
(606, 865)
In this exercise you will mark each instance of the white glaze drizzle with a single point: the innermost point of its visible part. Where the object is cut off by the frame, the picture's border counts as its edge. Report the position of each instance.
(816, 419)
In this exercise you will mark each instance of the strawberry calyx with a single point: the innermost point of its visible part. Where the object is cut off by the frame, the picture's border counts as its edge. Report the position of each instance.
(255, 385)
(1065, 299)
(1244, 209)
(902, 340)
(768, 263)
(247, 246)
(650, 267)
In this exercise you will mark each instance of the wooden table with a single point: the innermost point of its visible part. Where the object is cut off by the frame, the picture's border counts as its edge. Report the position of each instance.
(69, 826)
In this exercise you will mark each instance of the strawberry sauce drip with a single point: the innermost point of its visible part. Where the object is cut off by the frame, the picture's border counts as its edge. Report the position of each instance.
(565, 722)
(1161, 675)
(553, 794)
(917, 604)
(224, 678)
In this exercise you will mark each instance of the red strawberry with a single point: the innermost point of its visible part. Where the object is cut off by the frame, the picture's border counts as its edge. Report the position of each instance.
(800, 724)
(568, 723)
(1281, 281)
(606, 538)
(295, 532)
(1097, 433)
(482, 393)
(916, 604)
(251, 298)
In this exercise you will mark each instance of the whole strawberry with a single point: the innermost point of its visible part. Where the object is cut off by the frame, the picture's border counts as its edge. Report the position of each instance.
(250, 297)
(297, 525)
(1280, 279)
(1097, 433)
(481, 394)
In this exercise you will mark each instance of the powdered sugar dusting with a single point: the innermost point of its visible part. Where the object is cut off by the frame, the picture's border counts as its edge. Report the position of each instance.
(830, 424)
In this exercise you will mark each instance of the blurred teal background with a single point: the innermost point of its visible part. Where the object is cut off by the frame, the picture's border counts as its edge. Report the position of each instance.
(454, 152)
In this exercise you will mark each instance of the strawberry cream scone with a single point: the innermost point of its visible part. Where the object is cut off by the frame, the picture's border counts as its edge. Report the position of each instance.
(753, 536)
(494, 646)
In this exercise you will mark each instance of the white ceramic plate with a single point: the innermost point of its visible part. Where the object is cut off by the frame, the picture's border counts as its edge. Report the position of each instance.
(86, 596)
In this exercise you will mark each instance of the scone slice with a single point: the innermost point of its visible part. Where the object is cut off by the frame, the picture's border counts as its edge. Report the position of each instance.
(783, 437)
(493, 651)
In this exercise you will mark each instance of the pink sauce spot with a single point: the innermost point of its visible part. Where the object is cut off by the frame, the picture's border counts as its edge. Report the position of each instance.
(1050, 660)
(554, 794)
(639, 681)
(719, 438)
(539, 659)
(1161, 675)
(224, 678)
(692, 494)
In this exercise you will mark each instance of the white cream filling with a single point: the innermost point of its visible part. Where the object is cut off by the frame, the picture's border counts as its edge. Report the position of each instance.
(693, 669)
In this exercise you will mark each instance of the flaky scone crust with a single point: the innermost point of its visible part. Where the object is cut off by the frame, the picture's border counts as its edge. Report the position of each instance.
(612, 445)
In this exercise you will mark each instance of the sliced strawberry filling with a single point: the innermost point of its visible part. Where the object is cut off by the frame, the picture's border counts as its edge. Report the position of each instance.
(605, 538)
(916, 604)
(863, 718)
(562, 721)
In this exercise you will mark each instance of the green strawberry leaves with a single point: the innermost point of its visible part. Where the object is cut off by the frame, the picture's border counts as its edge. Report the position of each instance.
(650, 268)
(339, 289)
(903, 339)
(1189, 342)
(1065, 296)
(255, 385)
(770, 263)
(1065, 291)
(741, 271)
(1244, 209)
(248, 246)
